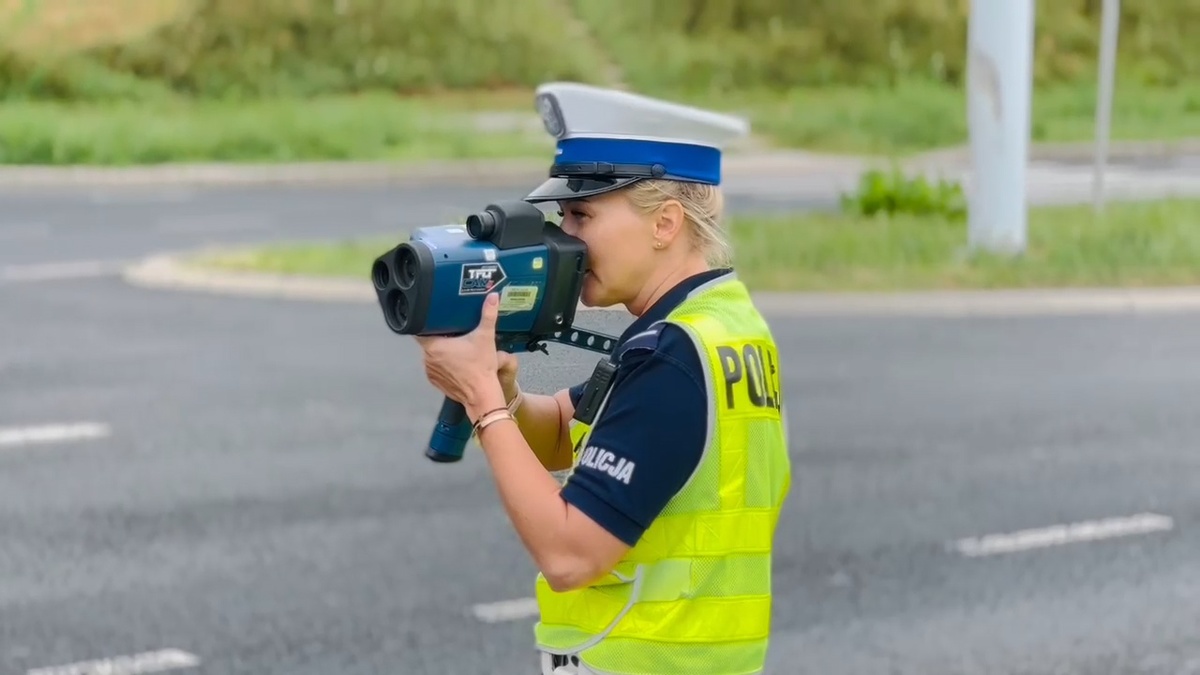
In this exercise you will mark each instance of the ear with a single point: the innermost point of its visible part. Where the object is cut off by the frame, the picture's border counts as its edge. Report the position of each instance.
(670, 222)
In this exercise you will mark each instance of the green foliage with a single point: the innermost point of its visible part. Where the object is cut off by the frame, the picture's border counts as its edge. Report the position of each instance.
(367, 127)
(72, 78)
(893, 193)
(269, 48)
(735, 44)
(877, 77)
(238, 48)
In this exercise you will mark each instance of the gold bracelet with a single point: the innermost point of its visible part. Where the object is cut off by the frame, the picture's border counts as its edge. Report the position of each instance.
(490, 417)
(517, 400)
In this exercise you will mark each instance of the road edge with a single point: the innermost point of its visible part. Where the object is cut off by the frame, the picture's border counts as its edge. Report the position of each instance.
(172, 271)
(523, 171)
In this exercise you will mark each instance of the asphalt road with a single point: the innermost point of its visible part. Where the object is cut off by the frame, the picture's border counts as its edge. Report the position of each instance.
(106, 229)
(251, 490)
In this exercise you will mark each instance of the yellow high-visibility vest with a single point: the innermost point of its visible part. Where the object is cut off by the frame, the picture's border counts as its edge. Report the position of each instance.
(694, 594)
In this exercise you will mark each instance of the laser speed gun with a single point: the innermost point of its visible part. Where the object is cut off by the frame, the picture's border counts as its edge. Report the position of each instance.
(435, 284)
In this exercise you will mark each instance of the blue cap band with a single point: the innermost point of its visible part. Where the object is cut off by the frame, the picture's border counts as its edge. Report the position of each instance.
(679, 161)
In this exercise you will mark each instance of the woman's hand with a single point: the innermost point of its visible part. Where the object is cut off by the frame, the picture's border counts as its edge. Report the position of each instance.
(467, 368)
(508, 374)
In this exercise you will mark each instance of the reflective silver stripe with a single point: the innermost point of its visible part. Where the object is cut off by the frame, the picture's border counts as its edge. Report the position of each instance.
(724, 278)
(708, 376)
(711, 418)
(635, 593)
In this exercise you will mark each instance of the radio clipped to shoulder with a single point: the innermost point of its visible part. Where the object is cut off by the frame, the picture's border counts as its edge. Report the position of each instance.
(435, 284)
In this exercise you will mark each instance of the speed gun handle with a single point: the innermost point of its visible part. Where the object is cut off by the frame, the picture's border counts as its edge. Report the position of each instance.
(450, 434)
(448, 442)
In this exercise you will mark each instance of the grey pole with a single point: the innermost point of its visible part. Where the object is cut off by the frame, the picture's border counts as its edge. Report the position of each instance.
(1109, 30)
(999, 94)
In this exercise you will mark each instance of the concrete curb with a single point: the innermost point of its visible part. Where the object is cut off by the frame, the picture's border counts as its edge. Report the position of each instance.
(743, 164)
(171, 272)
(466, 173)
(521, 172)
(984, 303)
(174, 272)
(1076, 153)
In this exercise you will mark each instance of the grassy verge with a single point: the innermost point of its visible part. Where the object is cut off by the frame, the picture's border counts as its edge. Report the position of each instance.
(910, 118)
(1134, 244)
(371, 127)
(270, 77)
(918, 116)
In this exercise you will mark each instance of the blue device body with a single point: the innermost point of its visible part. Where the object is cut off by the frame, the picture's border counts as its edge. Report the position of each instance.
(436, 282)
(466, 270)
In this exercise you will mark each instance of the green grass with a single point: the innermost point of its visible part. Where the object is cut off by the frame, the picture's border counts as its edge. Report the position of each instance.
(118, 82)
(917, 116)
(910, 118)
(1134, 244)
(371, 127)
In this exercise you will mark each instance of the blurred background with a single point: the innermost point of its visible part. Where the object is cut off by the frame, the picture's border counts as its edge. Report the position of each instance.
(430, 79)
(211, 445)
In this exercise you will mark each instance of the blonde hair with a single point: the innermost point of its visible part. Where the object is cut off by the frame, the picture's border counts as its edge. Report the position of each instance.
(703, 208)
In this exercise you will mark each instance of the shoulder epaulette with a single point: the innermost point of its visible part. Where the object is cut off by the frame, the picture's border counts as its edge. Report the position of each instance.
(646, 340)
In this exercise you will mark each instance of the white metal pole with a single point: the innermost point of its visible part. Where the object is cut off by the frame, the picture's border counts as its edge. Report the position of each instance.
(1109, 30)
(999, 97)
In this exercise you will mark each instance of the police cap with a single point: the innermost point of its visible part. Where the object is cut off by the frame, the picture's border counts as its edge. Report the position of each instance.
(608, 139)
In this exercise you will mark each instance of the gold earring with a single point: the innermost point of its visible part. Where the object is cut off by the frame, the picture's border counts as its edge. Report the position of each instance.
(658, 244)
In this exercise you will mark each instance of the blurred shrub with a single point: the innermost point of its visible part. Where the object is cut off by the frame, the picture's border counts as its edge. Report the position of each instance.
(728, 44)
(892, 193)
(238, 48)
(273, 47)
(255, 48)
(71, 78)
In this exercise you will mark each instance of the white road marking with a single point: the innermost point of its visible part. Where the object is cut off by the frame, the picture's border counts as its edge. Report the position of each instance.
(52, 433)
(79, 269)
(1058, 535)
(146, 662)
(506, 610)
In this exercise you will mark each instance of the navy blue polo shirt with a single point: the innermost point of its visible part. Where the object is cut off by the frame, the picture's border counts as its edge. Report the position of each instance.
(656, 417)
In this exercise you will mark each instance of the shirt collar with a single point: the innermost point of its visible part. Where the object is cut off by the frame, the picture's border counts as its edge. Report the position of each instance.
(669, 301)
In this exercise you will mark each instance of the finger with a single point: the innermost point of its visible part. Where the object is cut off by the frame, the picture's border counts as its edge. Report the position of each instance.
(428, 342)
(506, 361)
(491, 307)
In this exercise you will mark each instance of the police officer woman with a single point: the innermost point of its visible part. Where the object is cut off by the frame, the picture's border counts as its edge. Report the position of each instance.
(655, 554)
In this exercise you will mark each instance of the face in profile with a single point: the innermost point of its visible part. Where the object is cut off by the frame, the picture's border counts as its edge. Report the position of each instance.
(620, 243)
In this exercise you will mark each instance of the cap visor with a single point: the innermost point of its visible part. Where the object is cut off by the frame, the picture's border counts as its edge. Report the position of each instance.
(558, 189)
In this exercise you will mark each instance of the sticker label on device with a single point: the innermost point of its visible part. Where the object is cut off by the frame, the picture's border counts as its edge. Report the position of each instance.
(518, 298)
(480, 278)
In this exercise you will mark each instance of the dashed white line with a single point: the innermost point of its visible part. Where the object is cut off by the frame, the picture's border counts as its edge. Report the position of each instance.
(506, 610)
(1059, 535)
(146, 662)
(79, 269)
(52, 433)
